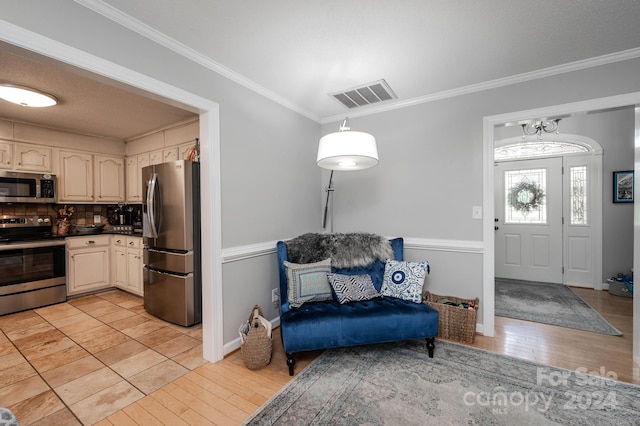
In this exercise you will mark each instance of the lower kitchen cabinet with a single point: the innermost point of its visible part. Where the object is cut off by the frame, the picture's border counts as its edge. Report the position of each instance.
(127, 263)
(88, 260)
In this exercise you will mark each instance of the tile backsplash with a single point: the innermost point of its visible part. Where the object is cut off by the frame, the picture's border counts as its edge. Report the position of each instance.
(83, 213)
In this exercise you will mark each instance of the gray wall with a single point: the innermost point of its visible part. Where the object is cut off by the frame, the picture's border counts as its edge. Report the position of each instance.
(613, 130)
(269, 180)
(429, 177)
(430, 171)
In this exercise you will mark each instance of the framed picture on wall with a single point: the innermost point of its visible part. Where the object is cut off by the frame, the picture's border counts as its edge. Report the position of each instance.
(623, 187)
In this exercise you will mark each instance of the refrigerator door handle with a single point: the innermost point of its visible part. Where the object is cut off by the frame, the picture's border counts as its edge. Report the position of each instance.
(156, 271)
(151, 204)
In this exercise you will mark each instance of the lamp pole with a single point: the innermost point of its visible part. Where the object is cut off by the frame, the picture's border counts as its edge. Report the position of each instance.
(326, 206)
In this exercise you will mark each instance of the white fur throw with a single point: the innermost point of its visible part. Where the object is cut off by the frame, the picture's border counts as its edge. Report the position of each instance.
(345, 250)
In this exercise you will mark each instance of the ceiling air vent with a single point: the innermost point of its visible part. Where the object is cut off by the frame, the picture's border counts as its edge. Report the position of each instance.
(367, 94)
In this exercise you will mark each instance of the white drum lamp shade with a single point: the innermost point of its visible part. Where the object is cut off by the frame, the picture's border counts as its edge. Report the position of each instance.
(347, 150)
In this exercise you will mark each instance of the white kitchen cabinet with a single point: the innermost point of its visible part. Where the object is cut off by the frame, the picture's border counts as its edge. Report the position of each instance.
(134, 177)
(32, 158)
(156, 157)
(75, 180)
(6, 150)
(22, 157)
(88, 264)
(183, 150)
(127, 263)
(109, 179)
(87, 178)
(170, 154)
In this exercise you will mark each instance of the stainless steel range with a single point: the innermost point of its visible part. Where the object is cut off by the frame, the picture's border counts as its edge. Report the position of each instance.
(32, 264)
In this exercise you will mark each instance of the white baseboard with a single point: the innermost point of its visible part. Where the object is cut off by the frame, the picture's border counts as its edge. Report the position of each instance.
(234, 345)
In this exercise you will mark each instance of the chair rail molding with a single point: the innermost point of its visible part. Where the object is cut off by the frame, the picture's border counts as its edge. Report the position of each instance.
(234, 254)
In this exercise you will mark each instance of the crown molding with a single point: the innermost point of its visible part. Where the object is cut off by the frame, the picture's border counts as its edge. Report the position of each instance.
(139, 27)
(144, 30)
(493, 84)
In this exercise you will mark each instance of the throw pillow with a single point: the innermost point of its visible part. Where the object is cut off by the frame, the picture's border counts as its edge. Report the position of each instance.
(352, 288)
(308, 282)
(404, 280)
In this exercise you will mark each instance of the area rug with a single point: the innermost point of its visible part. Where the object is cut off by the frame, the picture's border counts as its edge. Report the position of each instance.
(546, 303)
(398, 384)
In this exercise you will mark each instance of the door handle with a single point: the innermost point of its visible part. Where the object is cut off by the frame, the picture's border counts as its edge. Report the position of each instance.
(495, 228)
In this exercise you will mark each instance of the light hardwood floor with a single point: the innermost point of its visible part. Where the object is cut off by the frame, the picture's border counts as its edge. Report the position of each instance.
(227, 393)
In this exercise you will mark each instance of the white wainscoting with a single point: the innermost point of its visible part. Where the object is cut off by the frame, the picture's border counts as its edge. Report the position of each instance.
(413, 247)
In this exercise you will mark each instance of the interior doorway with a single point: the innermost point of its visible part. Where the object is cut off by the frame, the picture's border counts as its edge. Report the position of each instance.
(209, 113)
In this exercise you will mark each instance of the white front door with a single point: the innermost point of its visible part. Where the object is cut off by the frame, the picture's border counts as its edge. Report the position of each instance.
(528, 198)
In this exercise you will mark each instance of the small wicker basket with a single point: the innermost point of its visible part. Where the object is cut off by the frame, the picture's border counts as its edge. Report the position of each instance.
(455, 323)
(257, 345)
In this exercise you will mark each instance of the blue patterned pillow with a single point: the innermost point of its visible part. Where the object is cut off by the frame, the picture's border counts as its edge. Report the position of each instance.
(404, 280)
(353, 288)
(308, 282)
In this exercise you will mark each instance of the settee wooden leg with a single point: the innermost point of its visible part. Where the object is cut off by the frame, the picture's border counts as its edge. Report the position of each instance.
(431, 345)
(291, 361)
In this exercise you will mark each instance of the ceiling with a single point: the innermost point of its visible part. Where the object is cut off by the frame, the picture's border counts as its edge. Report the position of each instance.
(85, 105)
(297, 53)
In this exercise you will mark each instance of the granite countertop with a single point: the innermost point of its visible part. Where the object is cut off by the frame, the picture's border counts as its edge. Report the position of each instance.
(134, 233)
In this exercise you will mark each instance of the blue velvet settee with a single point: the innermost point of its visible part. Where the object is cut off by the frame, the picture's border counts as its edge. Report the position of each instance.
(329, 323)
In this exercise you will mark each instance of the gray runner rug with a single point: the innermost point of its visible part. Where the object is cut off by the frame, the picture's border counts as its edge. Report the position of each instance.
(547, 303)
(398, 384)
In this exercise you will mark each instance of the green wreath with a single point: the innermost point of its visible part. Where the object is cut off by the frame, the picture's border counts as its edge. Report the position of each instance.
(525, 196)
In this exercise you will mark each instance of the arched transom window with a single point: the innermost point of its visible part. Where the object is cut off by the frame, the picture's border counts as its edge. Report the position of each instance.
(536, 149)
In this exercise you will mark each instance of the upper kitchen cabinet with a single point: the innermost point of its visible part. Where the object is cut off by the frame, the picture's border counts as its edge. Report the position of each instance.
(75, 179)
(134, 177)
(87, 178)
(23, 157)
(32, 158)
(6, 149)
(109, 179)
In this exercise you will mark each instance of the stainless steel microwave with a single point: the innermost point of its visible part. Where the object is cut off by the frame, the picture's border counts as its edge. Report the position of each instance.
(17, 187)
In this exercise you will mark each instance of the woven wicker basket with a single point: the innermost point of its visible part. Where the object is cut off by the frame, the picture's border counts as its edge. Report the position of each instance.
(455, 323)
(256, 349)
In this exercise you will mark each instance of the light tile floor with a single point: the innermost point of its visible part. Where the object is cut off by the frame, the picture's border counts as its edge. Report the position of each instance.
(81, 361)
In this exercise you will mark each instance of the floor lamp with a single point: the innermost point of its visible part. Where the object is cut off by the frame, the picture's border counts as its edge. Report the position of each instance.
(344, 150)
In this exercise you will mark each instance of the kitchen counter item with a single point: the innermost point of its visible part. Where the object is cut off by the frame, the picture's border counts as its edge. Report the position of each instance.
(88, 229)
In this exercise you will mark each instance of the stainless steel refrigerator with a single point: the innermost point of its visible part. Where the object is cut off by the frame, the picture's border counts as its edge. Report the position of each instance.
(171, 230)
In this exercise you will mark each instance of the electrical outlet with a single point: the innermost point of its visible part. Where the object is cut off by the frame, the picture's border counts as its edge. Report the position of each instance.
(275, 296)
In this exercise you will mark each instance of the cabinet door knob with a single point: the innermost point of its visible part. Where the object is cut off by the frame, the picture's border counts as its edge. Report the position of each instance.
(118, 241)
(90, 242)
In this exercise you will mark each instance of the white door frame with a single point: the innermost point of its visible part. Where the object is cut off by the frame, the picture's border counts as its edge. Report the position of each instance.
(594, 155)
(212, 307)
(488, 278)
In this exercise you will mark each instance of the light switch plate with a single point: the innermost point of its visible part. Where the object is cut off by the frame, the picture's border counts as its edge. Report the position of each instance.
(477, 212)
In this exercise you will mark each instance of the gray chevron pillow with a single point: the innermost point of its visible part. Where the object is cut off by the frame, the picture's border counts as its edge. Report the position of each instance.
(352, 288)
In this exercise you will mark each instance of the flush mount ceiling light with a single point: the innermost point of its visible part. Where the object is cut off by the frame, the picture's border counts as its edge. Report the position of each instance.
(26, 96)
